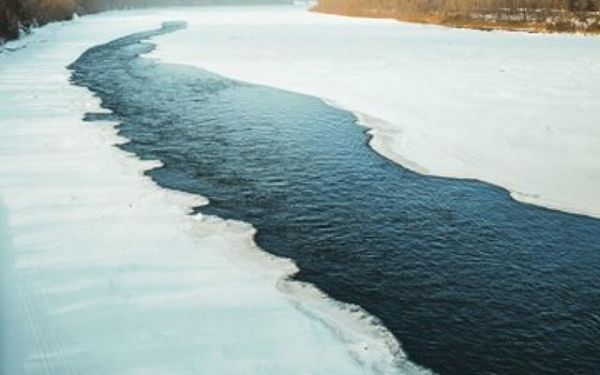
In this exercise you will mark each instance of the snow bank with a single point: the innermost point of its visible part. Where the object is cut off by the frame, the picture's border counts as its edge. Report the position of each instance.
(516, 110)
(113, 277)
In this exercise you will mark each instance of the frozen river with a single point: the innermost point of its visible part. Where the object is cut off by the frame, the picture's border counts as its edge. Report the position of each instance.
(469, 280)
(112, 276)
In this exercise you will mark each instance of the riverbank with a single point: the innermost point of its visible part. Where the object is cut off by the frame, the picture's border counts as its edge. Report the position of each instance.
(532, 22)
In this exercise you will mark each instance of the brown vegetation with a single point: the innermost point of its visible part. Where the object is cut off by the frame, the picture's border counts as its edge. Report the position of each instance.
(526, 15)
(17, 16)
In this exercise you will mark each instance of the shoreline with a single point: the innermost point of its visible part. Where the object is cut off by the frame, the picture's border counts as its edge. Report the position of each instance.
(382, 136)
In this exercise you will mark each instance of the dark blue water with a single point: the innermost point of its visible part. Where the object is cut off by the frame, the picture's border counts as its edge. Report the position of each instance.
(469, 280)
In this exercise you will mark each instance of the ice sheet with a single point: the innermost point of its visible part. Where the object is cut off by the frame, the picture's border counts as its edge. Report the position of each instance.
(112, 277)
(513, 109)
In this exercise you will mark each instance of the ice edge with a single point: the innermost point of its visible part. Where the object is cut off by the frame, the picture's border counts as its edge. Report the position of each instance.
(361, 333)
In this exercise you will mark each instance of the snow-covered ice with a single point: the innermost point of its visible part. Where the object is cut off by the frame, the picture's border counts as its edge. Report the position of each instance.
(517, 110)
(111, 276)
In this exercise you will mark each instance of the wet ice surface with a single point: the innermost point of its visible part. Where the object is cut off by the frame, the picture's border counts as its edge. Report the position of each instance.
(112, 276)
(469, 280)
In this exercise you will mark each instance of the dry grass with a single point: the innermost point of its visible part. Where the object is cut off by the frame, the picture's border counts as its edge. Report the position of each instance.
(561, 22)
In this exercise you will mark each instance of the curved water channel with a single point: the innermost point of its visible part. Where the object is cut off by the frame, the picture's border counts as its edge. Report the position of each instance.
(469, 280)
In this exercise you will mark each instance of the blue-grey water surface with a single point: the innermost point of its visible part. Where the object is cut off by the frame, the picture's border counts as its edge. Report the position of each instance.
(468, 280)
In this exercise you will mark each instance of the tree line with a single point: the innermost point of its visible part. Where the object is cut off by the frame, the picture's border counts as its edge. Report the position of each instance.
(460, 5)
(559, 15)
(19, 16)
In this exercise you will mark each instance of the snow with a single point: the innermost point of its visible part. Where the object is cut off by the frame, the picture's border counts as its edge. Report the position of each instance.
(102, 271)
(516, 110)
